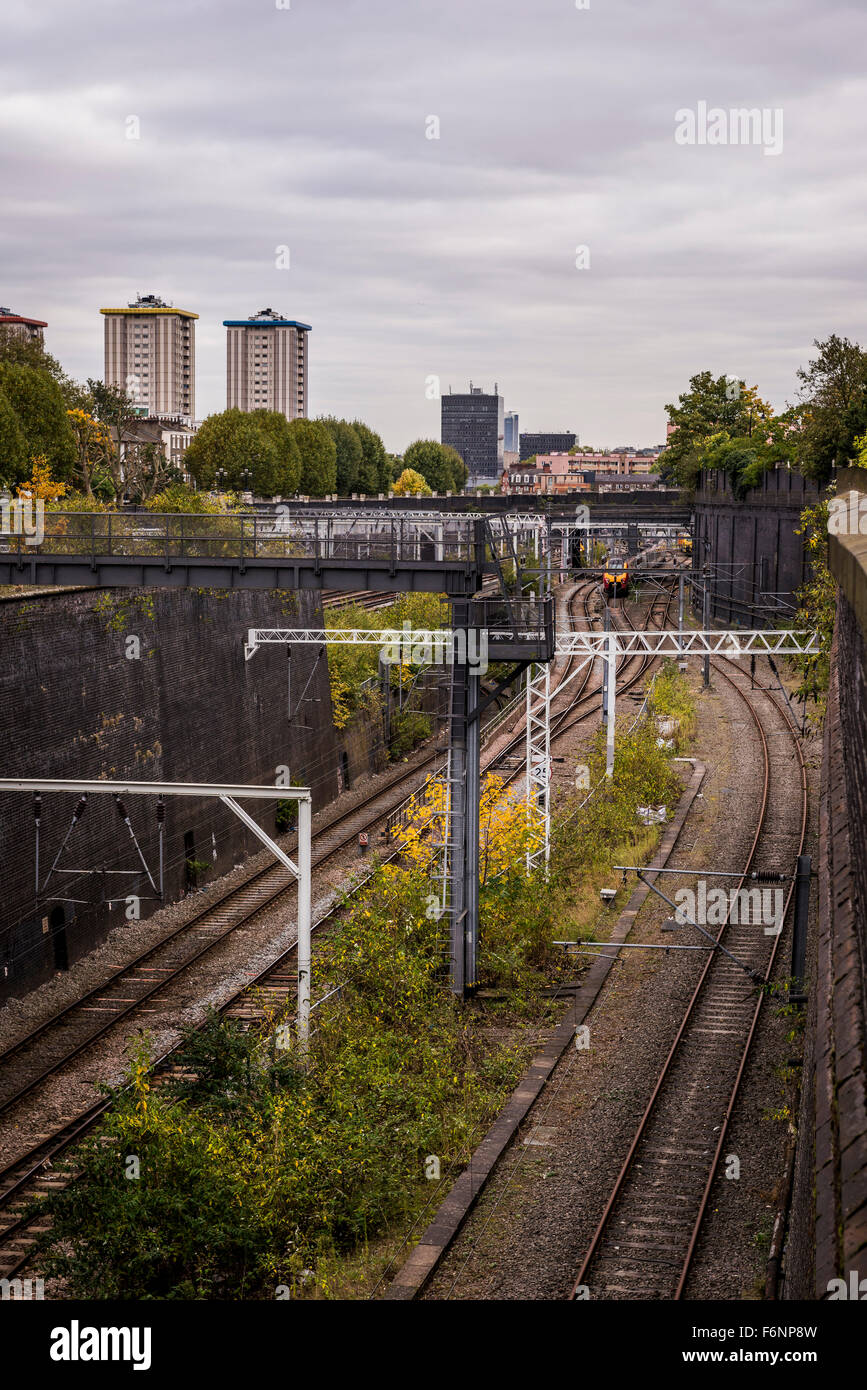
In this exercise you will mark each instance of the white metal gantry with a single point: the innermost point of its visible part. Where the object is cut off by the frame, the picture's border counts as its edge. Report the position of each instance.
(581, 647)
(354, 637)
(732, 643)
(230, 795)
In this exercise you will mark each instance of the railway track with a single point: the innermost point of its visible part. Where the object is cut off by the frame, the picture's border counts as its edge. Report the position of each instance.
(47, 1049)
(646, 1238)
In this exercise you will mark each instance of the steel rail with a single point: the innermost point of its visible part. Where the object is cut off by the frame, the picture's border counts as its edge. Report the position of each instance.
(663, 1077)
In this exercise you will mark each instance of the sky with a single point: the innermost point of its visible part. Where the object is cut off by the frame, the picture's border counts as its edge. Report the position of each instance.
(424, 262)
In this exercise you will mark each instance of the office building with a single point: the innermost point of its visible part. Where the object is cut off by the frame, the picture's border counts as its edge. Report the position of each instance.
(266, 364)
(473, 424)
(150, 351)
(534, 444)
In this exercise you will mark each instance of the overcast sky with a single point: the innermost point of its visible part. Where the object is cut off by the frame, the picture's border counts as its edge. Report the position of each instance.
(411, 257)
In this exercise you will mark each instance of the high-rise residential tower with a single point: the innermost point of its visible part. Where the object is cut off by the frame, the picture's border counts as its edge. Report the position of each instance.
(150, 351)
(512, 441)
(266, 364)
(21, 327)
(473, 424)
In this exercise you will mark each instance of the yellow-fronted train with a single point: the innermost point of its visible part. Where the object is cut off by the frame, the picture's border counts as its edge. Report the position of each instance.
(616, 580)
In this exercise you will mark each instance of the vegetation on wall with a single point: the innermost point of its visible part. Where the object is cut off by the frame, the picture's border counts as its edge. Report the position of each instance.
(817, 607)
(350, 668)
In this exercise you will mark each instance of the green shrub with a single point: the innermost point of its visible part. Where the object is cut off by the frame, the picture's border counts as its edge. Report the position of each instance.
(409, 728)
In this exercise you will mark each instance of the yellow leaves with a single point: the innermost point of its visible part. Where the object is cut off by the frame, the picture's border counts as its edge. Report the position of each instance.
(41, 485)
(506, 830)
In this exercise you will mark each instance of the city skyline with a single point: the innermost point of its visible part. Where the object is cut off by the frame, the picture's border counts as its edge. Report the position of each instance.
(570, 245)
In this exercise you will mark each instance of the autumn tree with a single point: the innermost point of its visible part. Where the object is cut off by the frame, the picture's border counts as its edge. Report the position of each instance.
(96, 454)
(41, 486)
(411, 484)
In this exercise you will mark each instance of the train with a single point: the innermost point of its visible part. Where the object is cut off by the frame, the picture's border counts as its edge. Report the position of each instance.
(615, 581)
(621, 574)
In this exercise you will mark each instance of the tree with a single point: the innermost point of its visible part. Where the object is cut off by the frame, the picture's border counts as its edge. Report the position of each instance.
(29, 352)
(145, 469)
(832, 411)
(318, 457)
(441, 466)
(114, 408)
(179, 498)
(460, 472)
(250, 451)
(38, 403)
(13, 445)
(40, 485)
(96, 454)
(745, 458)
(374, 475)
(411, 484)
(712, 406)
(275, 424)
(350, 454)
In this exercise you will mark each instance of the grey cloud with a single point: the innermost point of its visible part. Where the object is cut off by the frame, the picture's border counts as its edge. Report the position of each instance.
(455, 256)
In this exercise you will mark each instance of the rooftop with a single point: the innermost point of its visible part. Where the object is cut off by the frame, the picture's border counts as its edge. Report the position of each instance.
(7, 316)
(150, 304)
(267, 318)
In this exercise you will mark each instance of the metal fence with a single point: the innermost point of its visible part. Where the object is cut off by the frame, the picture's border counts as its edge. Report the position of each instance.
(182, 536)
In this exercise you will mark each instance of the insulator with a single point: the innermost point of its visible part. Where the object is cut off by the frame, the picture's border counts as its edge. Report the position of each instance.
(161, 811)
(121, 809)
(80, 808)
(767, 876)
(37, 806)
